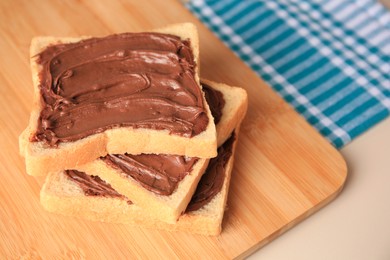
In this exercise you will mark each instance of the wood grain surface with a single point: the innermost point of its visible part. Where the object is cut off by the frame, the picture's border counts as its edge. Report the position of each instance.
(284, 170)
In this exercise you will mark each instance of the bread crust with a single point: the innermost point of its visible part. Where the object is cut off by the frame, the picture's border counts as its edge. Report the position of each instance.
(169, 208)
(206, 220)
(61, 195)
(41, 159)
(236, 105)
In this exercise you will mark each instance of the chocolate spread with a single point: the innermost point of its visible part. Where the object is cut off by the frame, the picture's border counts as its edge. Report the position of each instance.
(210, 184)
(162, 173)
(140, 80)
(93, 185)
(157, 173)
(215, 100)
(212, 180)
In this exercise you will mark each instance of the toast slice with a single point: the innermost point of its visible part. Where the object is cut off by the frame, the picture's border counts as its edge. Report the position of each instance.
(43, 157)
(61, 194)
(167, 208)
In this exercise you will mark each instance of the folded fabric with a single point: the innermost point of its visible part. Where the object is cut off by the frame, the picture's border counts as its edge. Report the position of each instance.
(329, 59)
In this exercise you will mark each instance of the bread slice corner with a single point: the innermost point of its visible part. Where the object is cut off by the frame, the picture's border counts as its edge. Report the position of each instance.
(167, 208)
(61, 194)
(41, 159)
(236, 106)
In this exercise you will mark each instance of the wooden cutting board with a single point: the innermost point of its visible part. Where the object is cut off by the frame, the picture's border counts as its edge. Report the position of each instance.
(284, 170)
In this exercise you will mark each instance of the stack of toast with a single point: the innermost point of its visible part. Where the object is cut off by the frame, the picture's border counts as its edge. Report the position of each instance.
(126, 132)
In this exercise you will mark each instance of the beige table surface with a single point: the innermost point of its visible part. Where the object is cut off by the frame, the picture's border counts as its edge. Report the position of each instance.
(356, 225)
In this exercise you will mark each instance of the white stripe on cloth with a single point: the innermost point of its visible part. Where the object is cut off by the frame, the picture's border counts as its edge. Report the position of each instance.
(366, 18)
(347, 40)
(363, 117)
(292, 55)
(248, 18)
(232, 12)
(324, 86)
(347, 108)
(285, 43)
(336, 60)
(376, 11)
(257, 27)
(270, 36)
(331, 4)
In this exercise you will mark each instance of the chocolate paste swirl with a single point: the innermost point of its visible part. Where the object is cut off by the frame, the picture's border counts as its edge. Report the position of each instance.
(162, 173)
(157, 173)
(215, 100)
(141, 80)
(212, 180)
(92, 185)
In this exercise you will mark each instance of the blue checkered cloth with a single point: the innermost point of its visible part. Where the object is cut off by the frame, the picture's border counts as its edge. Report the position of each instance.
(329, 59)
